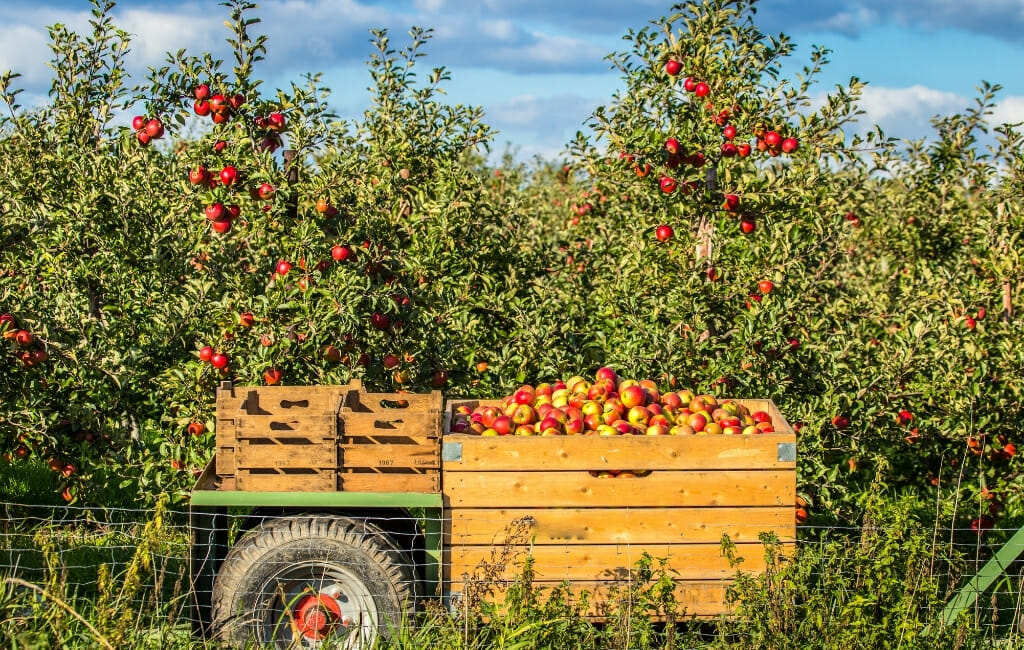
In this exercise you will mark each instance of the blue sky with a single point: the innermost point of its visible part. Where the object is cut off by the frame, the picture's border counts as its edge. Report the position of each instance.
(536, 66)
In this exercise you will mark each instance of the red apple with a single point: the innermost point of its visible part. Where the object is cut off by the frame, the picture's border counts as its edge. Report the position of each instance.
(503, 425)
(272, 376)
(673, 67)
(663, 233)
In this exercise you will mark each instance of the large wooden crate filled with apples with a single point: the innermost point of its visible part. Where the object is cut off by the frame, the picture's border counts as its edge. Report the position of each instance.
(586, 478)
(327, 438)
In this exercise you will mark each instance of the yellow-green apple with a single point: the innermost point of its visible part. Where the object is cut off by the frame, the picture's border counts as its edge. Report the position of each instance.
(657, 430)
(592, 407)
(682, 430)
(488, 433)
(713, 429)
(525, 430)
(571, 382)
(607, 430)
(523, 414)
(560, 397)
(638, 415)
(750, 430)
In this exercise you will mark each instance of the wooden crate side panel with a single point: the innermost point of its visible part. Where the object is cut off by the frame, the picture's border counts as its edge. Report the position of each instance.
(355, 399)
(389, 482)
(286, 481)
(680, 488)
(254, 454)
(702, 598)
(398, 423)
(618, 452)
(542, 526)
(284, 400)
(599, 562)
(383, 456)
(290, 429)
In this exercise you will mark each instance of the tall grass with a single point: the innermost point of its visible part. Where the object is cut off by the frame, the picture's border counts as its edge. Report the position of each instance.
(880, 585)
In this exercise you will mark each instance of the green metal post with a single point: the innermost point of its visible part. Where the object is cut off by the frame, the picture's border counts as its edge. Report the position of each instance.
(433, 534)
(989, 573)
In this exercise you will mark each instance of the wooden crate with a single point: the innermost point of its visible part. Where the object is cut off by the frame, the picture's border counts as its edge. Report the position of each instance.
(389, 442)
(327, 438)
(510, 496)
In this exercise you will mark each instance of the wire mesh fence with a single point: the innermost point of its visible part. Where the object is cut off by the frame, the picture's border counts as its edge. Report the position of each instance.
(300, 578)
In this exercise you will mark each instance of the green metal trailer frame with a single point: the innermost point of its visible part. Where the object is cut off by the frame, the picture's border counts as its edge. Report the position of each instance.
(208, 519)
(991, 571)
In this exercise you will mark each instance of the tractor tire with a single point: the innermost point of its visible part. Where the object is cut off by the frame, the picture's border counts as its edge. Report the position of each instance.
(313, 581)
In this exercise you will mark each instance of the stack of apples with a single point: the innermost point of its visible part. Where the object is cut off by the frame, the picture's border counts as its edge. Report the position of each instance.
(608, 406)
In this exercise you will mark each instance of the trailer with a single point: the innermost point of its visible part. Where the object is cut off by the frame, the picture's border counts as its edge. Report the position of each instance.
(333, 513)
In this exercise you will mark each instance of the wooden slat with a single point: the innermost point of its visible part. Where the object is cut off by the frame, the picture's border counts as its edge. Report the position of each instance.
(389, 482)
(355, 399)
(312, 427)
(599, 562)
(249, 482)
(701, 598)
(401, 422)
(387, 456)
(617, 525)
(226, 460)
(659, 488)
(275, 455)
(278, 400)
(618, 452)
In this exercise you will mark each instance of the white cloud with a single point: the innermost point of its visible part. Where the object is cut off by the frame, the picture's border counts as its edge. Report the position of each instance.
(429, 6)
(551, 51)
(155, 33)
(24, 50)
(554, 119)
(1009, 111)
(916, 103)
(504, 30)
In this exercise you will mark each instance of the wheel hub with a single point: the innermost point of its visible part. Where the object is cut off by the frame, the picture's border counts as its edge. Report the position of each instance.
(316, 617)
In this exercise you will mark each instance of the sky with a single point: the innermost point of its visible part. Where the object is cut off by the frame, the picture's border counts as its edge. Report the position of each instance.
(537, 67)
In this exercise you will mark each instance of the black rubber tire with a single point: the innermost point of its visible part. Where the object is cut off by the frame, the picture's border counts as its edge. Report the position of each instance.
(247, 603)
